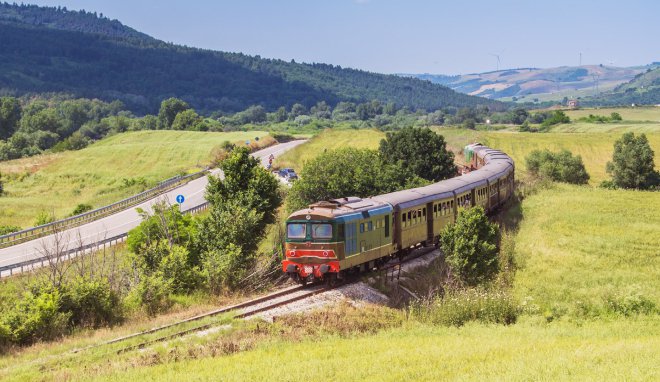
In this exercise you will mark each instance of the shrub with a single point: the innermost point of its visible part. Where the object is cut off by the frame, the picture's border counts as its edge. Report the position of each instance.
(91, 303)
(81, 208)
(629, 303)
(560, 167)
(470, 246)
(224, 268)
(177, 268)
(461, 306)
(153, 294)
(7, 229)
(36, 317)
(44, 217)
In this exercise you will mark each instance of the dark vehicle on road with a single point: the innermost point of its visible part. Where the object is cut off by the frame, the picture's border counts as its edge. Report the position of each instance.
(288, 174)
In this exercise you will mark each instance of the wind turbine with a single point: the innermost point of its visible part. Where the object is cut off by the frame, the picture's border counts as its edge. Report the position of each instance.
(498, 60)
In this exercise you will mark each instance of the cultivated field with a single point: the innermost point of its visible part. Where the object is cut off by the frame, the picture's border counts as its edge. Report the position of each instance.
(95, 175)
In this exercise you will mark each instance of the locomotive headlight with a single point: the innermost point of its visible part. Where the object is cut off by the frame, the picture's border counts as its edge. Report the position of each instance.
(325, 253)
(292, 254)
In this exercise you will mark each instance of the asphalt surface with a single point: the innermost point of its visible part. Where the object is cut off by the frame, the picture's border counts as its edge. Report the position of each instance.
(124, 221)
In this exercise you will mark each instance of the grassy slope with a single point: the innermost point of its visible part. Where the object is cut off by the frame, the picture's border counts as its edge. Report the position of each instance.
(581, 245)
(526, 351)
(58, 182)
(572, 253)
(595, 148)
(329, 139)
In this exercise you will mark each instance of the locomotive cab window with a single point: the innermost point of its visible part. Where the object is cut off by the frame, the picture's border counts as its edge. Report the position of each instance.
(296, 230)
(322, 231)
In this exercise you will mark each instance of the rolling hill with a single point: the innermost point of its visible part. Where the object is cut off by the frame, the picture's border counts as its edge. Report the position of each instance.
(527, 84)
(643, 89)
(87, 55)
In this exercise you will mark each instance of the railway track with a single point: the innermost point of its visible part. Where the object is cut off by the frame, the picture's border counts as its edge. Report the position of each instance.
(243, 310)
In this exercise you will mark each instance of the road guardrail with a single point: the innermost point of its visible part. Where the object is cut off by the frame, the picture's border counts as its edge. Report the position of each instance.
(9, 270)
(86, 217)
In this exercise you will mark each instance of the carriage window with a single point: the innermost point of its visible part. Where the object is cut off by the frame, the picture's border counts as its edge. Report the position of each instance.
(424, 212)
(296, 230)
(370, 226)
(409, 217)
(361, 227)
(322, 231)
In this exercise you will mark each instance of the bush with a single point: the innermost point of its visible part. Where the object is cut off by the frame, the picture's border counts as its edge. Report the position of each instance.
(81, 208)
(91, 303)
(7, 229)
(470, 246)
(629, 303)
(177, 268)
(44, 217)
(560, 167)
(37, 317)
(461, 306)
(153, 294)
(224, 268)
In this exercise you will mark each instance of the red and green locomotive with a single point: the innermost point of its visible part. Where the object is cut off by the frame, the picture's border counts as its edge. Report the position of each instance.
(334, 236)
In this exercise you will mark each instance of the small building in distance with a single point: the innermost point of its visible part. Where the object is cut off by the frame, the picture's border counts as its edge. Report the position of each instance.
(573, 103)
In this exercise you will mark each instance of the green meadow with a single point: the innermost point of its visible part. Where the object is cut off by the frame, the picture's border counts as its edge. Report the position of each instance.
(105, 172)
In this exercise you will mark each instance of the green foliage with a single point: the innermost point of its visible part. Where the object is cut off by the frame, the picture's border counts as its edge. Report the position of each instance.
(632, 163)
(470, 246)
(159, 232)
(44, 217)
(421, 151)
(169, 109)
(89, 55)
(556, 118)
(6, 229)
(36, 317)
(91, 303)
(224, 267)
(559, 167)
(188, 120)
(81, 208)
(179, 268)
(153, 294)
(10, 116)
(458, 307)
(245, 175)
(614, 117)
(232, 222)
(348, 172)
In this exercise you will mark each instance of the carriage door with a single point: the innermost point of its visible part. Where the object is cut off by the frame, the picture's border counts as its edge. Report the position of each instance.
(350, 247)
(429, 222)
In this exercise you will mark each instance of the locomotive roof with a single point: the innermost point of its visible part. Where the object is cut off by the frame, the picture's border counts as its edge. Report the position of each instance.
(343, 207)
(497, 164)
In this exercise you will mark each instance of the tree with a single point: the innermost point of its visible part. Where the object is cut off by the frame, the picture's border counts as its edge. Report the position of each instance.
(348, 172)
(632, 163)
(421, 151)
(186, 120)
(470, 246)
(10, 116)
(297, 110)
(560, 167)
(169, 108)
(245, 175)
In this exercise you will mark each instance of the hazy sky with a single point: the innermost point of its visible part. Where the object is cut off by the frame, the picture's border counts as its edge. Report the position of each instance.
(414, 36)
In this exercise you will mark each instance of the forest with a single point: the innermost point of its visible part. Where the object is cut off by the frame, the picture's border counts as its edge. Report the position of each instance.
(86, 55)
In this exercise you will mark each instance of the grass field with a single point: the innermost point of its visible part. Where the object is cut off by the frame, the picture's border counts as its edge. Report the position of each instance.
(595, 148)
(638, 114)
(58, 182)
(583, 249)
(328, 140)
(523, 352)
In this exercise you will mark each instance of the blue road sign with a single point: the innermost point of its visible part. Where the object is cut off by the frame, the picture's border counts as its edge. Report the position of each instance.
(180, 199)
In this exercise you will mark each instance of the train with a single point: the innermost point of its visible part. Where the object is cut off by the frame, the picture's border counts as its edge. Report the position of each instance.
(352, 234)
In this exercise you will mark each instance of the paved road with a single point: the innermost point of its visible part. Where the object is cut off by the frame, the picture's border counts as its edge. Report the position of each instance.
(125, 220)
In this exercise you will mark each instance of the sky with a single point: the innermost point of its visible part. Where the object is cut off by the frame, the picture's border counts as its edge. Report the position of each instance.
(403, 36)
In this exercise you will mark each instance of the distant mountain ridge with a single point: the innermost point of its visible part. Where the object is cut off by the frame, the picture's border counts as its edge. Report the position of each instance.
(643, 89)
(527, 84)
(69, 20)
(56, 50)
